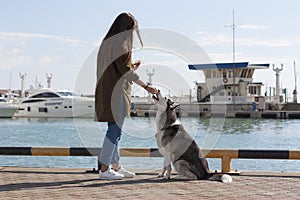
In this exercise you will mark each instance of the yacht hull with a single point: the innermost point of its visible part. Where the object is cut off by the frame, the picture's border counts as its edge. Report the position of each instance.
(7, 111)
(57, 108)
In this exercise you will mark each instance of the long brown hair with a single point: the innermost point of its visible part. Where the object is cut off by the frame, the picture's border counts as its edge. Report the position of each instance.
(124, 24)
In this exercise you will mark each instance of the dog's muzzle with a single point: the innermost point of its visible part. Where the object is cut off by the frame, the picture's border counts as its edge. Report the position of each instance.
(155, 96)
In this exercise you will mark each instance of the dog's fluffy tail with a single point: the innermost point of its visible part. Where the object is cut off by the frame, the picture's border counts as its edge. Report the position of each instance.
(224, 178)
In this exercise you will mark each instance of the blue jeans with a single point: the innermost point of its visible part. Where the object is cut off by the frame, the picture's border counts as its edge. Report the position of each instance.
(110, 148)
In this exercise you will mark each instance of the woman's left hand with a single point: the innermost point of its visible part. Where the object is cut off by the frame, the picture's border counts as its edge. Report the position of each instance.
(137, 64)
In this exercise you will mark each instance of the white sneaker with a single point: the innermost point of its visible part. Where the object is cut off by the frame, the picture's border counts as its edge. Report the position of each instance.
(125, 173)
(110, 174)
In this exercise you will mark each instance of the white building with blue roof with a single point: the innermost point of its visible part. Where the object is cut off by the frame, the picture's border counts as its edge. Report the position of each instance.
(229, 82)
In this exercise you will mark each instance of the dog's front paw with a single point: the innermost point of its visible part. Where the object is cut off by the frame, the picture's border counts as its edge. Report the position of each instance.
(160, 175)
(168, 174)
(167, 177)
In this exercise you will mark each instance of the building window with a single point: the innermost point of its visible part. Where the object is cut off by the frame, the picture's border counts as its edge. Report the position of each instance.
(224, 73)
(207, 74)
(214, 74)
(45, 95)
(253, 90)
(244, 73)
(219, 73)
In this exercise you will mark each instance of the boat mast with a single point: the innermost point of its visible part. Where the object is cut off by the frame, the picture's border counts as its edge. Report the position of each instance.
(10, 83)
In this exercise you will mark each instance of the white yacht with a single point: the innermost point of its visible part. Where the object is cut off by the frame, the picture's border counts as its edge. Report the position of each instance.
(55, 103)
(7, 109)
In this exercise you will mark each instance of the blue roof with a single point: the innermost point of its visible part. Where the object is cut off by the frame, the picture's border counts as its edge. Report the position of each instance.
(225, 66)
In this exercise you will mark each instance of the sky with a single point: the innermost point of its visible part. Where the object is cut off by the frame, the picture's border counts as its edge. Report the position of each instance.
(61, 37)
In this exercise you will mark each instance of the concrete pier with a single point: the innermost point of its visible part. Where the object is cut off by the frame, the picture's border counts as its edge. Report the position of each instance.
(53, 183)
(219, 110)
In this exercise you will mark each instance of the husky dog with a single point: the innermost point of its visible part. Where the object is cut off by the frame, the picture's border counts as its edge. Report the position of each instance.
(178, 147)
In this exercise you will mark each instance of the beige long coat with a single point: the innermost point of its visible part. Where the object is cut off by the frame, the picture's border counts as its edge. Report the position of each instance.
(115, 76)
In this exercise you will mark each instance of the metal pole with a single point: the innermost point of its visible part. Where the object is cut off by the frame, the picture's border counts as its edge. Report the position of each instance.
(295, 91)
(233, 57)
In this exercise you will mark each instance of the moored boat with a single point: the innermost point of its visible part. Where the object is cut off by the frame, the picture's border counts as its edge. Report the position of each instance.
(50, 103)
(7, 109)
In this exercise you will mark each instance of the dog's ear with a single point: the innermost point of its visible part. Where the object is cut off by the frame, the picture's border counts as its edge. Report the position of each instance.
(174, 105)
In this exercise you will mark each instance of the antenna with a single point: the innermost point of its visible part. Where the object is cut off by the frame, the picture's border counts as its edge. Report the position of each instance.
(233, 56)
(233, 38)
(295, 74)
(233, 25)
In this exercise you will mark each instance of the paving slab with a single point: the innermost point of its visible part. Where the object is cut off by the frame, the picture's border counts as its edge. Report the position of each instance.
(54, 183)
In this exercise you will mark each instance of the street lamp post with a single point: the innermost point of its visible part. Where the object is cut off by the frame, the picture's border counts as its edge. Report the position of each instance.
(277, 74)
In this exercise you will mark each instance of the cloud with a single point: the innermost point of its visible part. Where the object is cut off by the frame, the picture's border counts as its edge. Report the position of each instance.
(4, 36)
(201, 32)
(46, 60)
(215, 39)
(270, 42)
(18, 49)
(252, 27)
(12, 58)
(221, 39)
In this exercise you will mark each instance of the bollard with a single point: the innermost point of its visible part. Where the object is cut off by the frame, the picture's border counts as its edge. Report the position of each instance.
(226, 164)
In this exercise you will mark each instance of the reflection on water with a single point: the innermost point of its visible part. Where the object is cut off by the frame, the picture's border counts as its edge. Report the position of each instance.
(139, 132)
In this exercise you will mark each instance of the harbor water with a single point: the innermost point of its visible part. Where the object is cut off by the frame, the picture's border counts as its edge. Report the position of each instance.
(229, 133)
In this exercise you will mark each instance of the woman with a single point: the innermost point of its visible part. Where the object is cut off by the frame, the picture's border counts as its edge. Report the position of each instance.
(115, 74)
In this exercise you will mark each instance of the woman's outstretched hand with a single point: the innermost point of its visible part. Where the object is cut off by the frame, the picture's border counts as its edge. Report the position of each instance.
(151, 89)
(147, 87)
